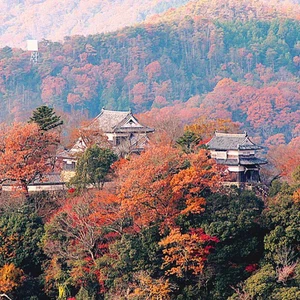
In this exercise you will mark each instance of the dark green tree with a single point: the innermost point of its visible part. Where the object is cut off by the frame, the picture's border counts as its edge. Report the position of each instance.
(235, 219)
(279, 274)
(189, 141)
(21, 231)
(93, 167)
(46, 118)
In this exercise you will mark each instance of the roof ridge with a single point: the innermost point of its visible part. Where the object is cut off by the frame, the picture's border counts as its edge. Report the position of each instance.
(231, 134)
(116, 111)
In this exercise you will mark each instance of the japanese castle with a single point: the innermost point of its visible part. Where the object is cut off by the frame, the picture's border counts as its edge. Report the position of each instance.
(238, 153)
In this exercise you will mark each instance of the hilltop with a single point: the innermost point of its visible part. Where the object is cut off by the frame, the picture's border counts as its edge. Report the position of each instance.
(53, 19)
(231, 10)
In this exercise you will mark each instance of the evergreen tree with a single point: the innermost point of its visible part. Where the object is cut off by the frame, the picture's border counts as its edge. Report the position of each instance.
(189, 141)
(20, 235)
(46, 118)
(93, 167)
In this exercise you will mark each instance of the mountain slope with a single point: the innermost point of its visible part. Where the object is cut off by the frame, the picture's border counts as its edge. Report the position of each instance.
(54, 19)
(188, 67)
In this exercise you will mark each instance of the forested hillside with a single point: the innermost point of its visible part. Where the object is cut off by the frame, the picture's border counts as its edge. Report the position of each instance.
(229, 10)
(166, 228)
(187, 62)
(167, 223)
(53, 19)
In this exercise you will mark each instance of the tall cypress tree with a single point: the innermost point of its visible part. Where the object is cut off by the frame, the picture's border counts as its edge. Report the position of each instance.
(46, 118)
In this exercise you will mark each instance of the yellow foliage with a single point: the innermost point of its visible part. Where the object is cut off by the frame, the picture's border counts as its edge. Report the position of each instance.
(296, 196)
(10, 278)
(206, 128)
(149, 288)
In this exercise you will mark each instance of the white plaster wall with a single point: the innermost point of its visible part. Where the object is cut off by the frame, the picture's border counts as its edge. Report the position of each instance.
(236, 168)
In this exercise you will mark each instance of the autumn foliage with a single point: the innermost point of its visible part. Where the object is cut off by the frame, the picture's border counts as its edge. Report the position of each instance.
(186, 252)
(286, 158)
(242, 67)
(165, 227)
(163, 183)
(10, 278)
(26, 153)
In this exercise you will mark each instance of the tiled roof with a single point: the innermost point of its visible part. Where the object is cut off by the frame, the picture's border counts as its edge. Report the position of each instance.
(228, 162)
(243, 161)
(116, 121)
(48, 179)
(252, 161)
(229, 141)
(51, 178)
(108, 120)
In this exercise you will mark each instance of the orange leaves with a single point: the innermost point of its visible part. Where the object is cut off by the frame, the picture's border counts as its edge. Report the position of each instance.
(139, 93)
(191, 182)
(206, 128)
(52, 87)
(268, 110)
(296, 196)
(80, 233)
(10, 278)
(153, 69)
(286, 158)
(73, 99)
(296, 60)
(106, 211)
(156, 188)
(53, 272)
(7, 247)
(146, 191)
(194, 205)
(82, 221)
(132, 76)
(163, 183)
(149, 288)
(92, 135)
(25, 152)
(109, 71)
(186, 252)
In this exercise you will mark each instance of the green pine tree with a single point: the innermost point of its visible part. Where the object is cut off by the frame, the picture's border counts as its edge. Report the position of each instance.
(46, 118)
(93, 167)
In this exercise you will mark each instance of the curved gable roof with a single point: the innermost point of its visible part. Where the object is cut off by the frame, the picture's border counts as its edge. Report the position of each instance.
(231, 141)
(108, 120)
(115, 121)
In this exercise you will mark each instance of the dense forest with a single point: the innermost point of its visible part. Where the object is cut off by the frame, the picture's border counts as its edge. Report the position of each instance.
(163, 227)
(243, 68)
